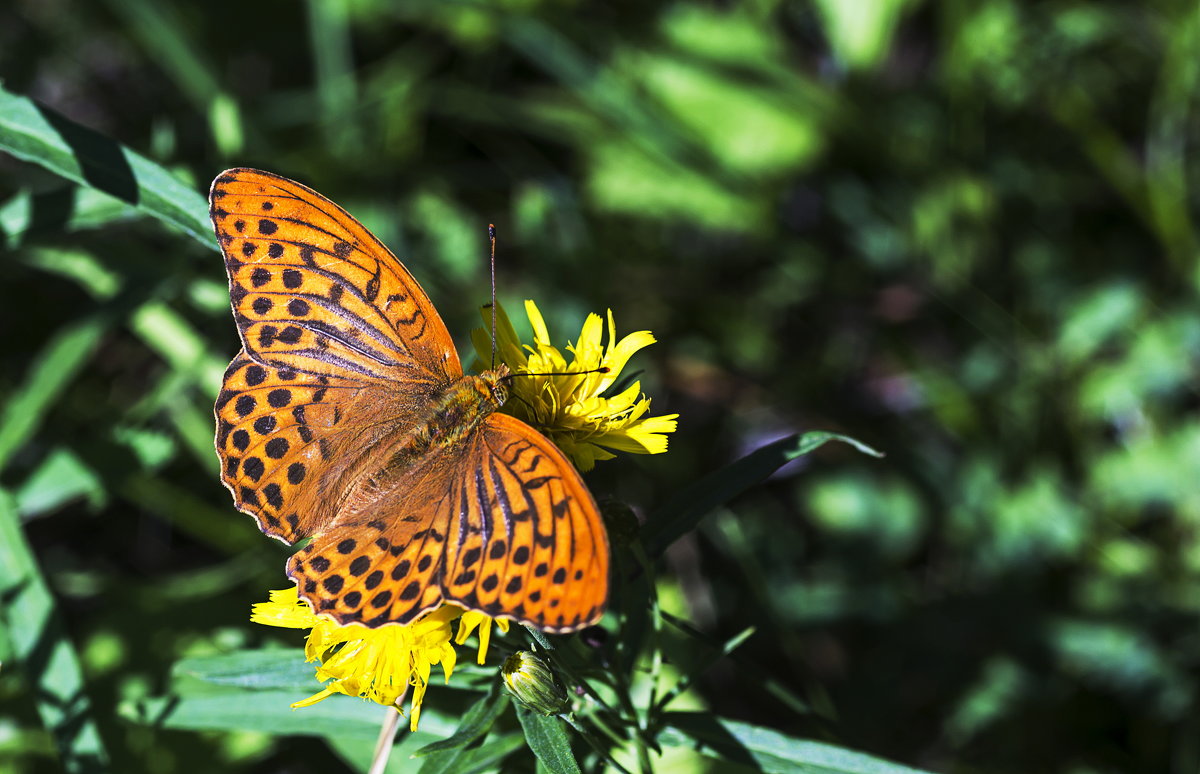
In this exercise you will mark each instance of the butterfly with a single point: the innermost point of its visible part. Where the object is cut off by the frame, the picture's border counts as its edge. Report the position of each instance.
(347, 418)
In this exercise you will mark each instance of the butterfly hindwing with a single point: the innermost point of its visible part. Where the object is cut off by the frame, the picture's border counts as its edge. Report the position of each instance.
(382, 562)
(528, 541)
(502, 524)
(313, 290)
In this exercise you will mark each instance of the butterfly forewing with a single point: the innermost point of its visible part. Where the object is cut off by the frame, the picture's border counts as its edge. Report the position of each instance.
(276, 429)
(314, 291)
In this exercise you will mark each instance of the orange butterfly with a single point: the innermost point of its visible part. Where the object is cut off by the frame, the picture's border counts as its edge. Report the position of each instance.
(347, 418)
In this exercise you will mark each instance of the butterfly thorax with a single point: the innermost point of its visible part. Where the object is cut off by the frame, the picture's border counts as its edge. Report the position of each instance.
(449, 420)
(463, 405)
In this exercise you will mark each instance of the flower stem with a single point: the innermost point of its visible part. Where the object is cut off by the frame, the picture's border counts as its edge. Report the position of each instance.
(387, 735)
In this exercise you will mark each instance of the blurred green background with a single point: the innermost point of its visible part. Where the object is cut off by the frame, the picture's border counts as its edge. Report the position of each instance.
(963, 232)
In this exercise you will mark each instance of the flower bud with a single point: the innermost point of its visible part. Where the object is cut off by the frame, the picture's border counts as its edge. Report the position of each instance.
(528, 678)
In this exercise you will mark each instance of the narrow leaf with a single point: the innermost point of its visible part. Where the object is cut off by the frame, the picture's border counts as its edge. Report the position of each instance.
(487, 755)
(259, 669)
(358, 752)
(55, 367)
(684, 511)
(269, 711)
(66, 209)
(79, 266)
(170, 335)
(547, 737)
(59, 479)
(476, 722)
(702, 665)
(36, 133)
(199, 518)
(43, 652)
(767, 750)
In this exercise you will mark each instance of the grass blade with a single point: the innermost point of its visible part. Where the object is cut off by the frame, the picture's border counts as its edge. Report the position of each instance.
(45, 655)
(476, 722)
(767, 750)
(57, 364)
(67, 209)
(257, 669)
(684, 511)
(329, 30)
(38, 134)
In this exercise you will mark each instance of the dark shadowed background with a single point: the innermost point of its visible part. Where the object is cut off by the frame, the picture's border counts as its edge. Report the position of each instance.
(963, 233)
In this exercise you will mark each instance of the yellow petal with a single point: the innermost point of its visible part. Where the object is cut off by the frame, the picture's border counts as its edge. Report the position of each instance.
(288, 596)
(449, 659)
(485, 637)
(648, 434)
(325, 693)
(467, 624)
(417, 699)
(541, 336)
(623, 400)
(588, 348)
(618, 356)
(286, 616)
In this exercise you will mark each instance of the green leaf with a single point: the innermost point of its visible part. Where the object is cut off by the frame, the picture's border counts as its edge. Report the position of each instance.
(490, 753)
(43, 652)
(66, 209)
(684, 511)
(336, 90)
(359, 753)
(476, 722)
(440, 762)
(268, 711)
(59, 479)
(199, 518)
(767, 750)
(265, 711)
(702, 665)
(547, 737)
(860, 33)
(36, 133)
(170, 40)
(258, 669)
(170, 335)
(79, 266)
(814, 440)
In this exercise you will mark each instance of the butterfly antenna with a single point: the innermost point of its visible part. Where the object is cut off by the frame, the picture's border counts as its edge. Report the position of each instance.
(492, 239)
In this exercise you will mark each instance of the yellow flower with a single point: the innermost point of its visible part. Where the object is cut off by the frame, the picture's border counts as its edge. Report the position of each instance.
(468, 623)
(569, 407)
(378, 664)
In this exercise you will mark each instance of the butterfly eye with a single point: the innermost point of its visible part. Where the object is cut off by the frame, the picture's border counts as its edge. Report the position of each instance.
(500, 393)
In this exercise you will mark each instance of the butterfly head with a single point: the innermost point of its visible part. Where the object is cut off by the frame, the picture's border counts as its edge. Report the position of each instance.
(496, 381)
